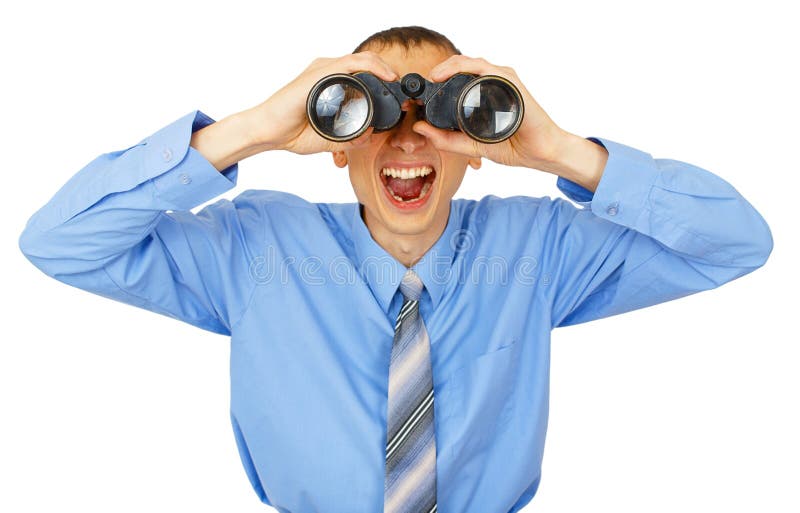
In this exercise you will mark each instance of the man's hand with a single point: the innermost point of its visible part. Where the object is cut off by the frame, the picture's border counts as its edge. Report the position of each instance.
(284, 123)
(280, 122)
(538, 143)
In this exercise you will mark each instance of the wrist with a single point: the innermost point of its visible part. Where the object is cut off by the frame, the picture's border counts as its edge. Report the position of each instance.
(579, 160)
(254, 128)
(229, 140)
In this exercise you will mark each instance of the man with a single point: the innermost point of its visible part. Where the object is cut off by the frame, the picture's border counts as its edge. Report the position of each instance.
(348, 320)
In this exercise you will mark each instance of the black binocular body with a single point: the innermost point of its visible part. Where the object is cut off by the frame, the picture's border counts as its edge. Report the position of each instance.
(488, 108)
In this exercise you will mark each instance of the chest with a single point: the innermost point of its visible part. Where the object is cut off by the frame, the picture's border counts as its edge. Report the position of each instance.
(309, 382)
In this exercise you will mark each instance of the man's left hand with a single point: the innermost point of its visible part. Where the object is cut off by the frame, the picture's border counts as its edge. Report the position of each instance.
(533, 143)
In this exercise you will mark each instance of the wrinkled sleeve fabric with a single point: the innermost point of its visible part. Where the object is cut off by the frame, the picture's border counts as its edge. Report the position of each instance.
(654, 230)
(122, 228)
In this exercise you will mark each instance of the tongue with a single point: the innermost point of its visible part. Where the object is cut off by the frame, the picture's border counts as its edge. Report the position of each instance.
(406, 188)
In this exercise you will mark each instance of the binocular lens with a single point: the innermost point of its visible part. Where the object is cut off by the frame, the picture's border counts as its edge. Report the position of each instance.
(340, 108)
(490, 110)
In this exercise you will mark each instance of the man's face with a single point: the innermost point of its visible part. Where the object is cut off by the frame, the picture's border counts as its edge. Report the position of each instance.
(424, 203)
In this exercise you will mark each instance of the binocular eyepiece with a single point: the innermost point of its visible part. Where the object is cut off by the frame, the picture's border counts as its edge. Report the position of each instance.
(488, 108)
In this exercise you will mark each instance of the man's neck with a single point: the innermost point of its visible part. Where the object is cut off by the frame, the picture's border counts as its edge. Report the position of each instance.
(407, 249)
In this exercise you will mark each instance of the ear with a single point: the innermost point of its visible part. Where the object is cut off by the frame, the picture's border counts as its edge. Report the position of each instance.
(339, 158)
(475, 163)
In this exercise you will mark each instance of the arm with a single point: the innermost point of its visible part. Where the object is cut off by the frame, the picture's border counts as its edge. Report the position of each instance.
(122, 226)
(653, 230)
(650, 230)
(108, 230)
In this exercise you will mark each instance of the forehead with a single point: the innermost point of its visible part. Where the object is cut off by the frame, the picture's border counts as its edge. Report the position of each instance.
(418, 59)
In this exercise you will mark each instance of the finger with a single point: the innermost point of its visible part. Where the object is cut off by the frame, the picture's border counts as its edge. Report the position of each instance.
(446, 140)
(462, 63)
(372, 62)
(319, 62)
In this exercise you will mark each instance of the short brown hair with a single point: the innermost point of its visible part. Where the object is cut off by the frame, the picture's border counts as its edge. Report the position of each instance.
(408, 37)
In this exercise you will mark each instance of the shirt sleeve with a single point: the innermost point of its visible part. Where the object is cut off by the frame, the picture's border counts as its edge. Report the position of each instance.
(121, 228)
(654, 230)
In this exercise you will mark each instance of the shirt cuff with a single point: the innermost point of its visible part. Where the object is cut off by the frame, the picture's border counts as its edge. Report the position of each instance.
(624, 186)
(182, 177)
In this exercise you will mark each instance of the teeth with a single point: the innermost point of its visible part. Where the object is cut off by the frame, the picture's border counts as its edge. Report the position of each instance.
(424, 189)
(407, 173)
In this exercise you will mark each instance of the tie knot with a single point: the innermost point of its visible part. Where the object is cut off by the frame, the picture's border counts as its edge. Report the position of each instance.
(411, 286)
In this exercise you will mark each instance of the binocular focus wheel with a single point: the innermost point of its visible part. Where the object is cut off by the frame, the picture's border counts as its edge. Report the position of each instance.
(339, 107)
(490, 109)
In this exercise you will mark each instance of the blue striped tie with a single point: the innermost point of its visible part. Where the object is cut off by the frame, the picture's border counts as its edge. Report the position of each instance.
(410, 485)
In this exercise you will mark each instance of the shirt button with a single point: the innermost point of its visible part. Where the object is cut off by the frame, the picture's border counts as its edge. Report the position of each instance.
(186, 179)
(167, 154)
(612, 209)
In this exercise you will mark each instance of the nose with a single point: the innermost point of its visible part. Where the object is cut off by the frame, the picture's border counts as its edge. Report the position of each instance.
(403, 137)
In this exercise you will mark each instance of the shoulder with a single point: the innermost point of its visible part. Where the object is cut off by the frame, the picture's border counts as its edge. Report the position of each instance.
(493, 208)
(255, 207)
(284, 205)
(260, 209)
(270, 199)
(286, 211)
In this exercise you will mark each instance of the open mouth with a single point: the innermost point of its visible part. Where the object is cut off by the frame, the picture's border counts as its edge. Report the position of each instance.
(408, 187)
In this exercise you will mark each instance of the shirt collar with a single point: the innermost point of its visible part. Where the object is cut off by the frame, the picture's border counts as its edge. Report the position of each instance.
(383, 272)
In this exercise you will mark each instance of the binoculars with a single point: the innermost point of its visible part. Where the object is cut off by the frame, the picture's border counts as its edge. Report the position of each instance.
(488, 108)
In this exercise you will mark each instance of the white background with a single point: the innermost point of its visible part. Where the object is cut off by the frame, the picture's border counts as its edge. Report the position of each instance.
(687, 406)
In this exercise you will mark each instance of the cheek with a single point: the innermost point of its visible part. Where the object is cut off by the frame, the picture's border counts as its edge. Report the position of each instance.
(361, 181)
(360, 165)
(453, 183)
(456, 167)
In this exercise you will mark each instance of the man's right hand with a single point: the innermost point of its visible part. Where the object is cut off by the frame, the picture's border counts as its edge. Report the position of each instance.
(280, 122)
(283, 118)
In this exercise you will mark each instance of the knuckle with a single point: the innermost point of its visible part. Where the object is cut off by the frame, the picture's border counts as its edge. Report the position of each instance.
(351, 62)
(317, 63)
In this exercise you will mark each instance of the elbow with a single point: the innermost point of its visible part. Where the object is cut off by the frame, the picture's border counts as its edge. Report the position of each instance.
(761, 244)
(764, 246)
(742, 257)
(27, 242)
(752, 244)
(41, 249)
(30, 242)
(753, 252)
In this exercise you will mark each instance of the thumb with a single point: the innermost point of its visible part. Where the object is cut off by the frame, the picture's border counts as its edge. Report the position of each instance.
(447, 140)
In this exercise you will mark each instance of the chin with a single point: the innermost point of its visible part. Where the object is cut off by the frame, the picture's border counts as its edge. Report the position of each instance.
(405, 222)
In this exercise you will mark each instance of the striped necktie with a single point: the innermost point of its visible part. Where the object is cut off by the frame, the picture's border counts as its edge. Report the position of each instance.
(410, 485)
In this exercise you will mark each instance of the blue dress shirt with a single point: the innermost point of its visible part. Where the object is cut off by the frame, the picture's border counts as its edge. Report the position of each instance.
(309, 300)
